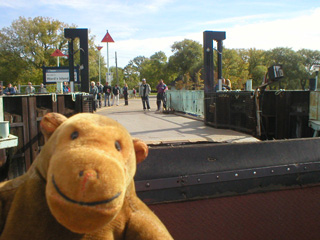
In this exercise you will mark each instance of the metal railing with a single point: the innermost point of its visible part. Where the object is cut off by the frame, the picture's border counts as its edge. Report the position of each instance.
(190, 102)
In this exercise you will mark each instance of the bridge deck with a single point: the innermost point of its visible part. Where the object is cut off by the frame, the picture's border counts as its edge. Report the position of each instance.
(155, 128)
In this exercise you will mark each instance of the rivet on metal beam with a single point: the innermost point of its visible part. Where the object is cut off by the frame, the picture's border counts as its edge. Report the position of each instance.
(236, 175)
(254, 173)
(147, 184)
(272, 171)
(217, 177)
(199, 180)
(288, 169)
(305, 168)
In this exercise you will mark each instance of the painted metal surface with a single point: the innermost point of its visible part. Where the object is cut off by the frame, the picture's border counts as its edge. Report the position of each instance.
(198, 171)
(291, 214)
(208, 56)
(314, 108)
(190, 102)
(11, 141)
(24, 112)
(225, 176)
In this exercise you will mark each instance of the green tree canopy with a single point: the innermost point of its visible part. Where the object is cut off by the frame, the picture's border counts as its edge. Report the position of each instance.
(154, 68)
(27, 45)
(293, 68)
(186, 61)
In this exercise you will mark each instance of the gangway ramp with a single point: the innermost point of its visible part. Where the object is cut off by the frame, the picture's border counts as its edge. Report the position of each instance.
(157, 128)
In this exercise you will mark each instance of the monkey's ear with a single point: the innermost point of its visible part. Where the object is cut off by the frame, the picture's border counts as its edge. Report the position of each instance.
(141, 150)
(49, 123)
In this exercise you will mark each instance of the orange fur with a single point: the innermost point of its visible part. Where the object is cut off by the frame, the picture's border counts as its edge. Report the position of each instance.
(80, 186)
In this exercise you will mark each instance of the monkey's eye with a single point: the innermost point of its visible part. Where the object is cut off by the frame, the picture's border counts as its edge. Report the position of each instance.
(117, 145)
(74, 135)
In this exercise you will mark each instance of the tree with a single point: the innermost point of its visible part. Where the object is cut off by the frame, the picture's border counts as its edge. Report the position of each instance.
(293, 68)
(131, 75)
(257, 66)
(310, 58)
(94, 54)
(121, 78)
(235, 67)
(27, 45)
(186, 61)
(30, 42)
(154, 69)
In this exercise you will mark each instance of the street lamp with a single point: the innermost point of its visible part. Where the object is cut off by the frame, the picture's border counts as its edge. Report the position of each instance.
(99, 48)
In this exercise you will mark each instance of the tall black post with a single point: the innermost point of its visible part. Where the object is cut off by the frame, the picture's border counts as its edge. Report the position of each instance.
(71, 60)
(82, 34)
(219, 59)
(208, 62)
(208, 38)
(84, 59)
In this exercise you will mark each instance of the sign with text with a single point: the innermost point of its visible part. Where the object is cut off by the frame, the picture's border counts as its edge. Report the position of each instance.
(58, 74)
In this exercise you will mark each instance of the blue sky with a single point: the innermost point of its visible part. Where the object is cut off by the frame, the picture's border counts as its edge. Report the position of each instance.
(143, 27)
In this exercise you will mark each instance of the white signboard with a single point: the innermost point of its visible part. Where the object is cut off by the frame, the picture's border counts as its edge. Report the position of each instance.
(109, 77)
(59, 75)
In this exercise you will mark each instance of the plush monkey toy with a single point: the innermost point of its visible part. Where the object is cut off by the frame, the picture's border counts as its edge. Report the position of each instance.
(80, 186)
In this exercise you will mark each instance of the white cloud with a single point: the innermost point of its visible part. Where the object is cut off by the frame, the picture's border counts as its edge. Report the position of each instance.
(110, 6)
(129, 49)
(297, 32)
(13, 4)
(237, 20)
(129, 21)
(155, 5)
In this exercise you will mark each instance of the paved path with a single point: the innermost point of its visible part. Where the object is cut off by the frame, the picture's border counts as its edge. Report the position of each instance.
(155, 128)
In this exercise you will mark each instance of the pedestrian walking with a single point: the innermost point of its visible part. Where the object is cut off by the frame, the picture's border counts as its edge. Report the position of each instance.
(94, 91)
(144, 91)
(116, 93)
(107, 93)
(134, 92)
(125, 94)
(161, 95)
(99, 94)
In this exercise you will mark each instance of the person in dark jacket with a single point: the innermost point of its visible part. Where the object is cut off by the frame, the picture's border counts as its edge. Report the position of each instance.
(9, 90)
(107, 93)
(161, 95)
(125, 94)
(144, 91)
(116, 93)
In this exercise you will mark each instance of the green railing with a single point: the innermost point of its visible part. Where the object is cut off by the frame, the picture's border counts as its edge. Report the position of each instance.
(190, 102)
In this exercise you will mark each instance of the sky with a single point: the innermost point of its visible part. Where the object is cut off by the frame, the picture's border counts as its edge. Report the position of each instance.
(144, 27)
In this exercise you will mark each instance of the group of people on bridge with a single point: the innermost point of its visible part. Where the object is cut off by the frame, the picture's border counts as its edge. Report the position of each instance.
(99, 92)
(13, 90)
